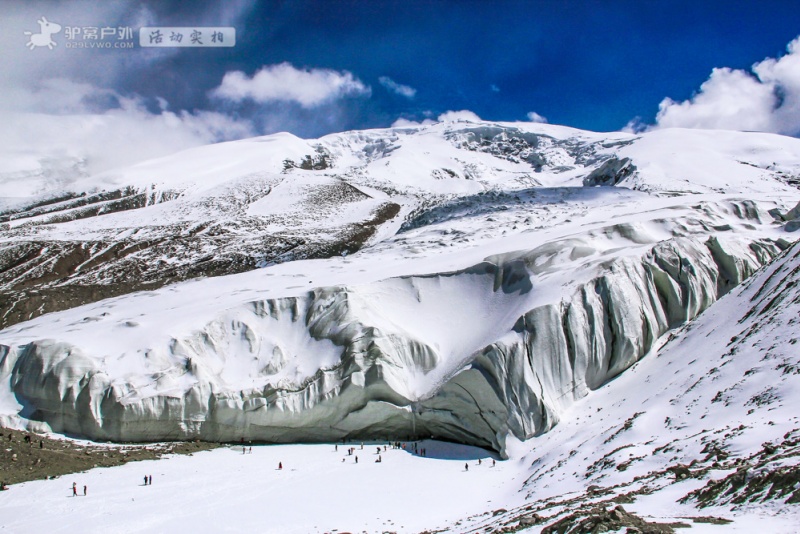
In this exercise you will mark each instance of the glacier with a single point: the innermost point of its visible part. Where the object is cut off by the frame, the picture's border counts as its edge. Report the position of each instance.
(499, 273)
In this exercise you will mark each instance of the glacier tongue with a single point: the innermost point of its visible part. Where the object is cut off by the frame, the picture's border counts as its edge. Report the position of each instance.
(493, 362)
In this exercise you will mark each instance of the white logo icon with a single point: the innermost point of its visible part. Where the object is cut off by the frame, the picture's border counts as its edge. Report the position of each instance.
(44, 37)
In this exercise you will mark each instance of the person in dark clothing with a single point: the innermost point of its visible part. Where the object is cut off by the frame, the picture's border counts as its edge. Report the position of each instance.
(145, 480)
(84, 491)
(466, 467)
(280, 465)
(150, 480)
(41, 444)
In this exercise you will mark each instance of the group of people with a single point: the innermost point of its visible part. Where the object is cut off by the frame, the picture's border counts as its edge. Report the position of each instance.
(148, 480)
(414, 447)
(27, 439)
(75, 490)
(466, 466)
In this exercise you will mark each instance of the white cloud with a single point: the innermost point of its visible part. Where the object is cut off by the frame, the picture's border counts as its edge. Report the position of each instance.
(458, 116)
(406, 123)
(60, 123)
(768, 99)
(284, 82)
(535, 117)
(394, 87)
(636, 125)
(494, 88)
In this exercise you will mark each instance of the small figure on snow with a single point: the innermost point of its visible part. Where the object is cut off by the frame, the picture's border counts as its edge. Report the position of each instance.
(280, 465)
(74, 489)
(84, 491)
(466, 467)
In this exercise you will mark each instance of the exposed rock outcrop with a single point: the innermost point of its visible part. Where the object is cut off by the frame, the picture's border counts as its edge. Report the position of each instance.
(611, 172)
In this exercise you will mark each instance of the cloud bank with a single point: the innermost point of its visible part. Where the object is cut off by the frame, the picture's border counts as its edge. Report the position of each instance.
(767, 99)
(61, 130)
(286, 83)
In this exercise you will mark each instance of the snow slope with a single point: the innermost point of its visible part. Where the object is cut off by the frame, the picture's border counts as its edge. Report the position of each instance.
(709, 418)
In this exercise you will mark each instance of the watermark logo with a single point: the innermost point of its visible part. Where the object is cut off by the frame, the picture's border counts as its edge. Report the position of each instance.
(99, 36)
(45, 36)
(195, 37)
(124, 37)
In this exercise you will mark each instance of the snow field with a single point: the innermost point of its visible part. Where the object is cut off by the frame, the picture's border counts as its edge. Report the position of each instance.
(227, 491)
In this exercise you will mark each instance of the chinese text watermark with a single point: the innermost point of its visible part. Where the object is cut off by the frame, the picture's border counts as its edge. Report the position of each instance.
(167, 36)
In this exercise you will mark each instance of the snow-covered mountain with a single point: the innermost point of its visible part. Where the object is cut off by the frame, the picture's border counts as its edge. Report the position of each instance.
(467, 281)
(526, 288)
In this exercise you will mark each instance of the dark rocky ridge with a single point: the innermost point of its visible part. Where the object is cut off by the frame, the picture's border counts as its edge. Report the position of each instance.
(39, 276)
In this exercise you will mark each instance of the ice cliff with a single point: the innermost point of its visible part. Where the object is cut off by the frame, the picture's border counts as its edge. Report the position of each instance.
(337, 362)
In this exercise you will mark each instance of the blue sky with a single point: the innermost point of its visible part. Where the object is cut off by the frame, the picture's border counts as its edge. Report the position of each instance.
(588, 64)
(593, 65)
